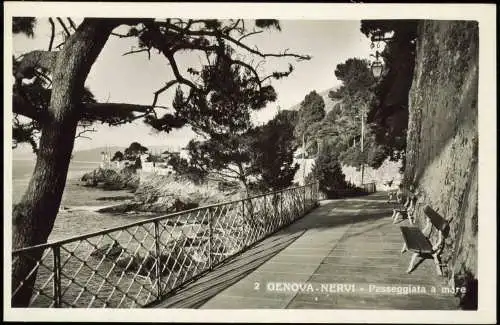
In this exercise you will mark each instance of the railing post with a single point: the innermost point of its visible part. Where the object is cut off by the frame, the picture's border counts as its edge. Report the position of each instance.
(210, 237)
(304, 200)
(243, 210)
(56, 250)
(158, 258)
(281, 208)
(265, 212)
(306, 197)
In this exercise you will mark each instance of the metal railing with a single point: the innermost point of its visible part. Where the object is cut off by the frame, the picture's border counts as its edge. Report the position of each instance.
(137, 264)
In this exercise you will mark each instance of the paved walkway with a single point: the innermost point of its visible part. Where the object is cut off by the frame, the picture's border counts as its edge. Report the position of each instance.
(344, 254)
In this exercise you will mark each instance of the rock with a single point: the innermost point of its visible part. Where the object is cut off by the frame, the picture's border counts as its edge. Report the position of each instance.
(111, 179)
(196, 241)
(115, 198)
(119, 208)
(173, 223)
(109, 251)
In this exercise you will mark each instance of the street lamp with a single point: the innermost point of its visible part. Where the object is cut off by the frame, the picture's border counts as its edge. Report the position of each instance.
(377, 68)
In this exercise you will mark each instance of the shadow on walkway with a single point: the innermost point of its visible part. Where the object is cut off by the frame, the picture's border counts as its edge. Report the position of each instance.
(195, 294)
(330, 214)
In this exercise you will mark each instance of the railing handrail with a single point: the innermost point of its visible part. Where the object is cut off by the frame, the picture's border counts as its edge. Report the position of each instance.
(141, 222)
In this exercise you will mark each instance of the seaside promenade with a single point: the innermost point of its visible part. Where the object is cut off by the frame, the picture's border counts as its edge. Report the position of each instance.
(343, 255)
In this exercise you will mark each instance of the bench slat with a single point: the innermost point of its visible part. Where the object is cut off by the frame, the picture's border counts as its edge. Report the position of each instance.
(436, 219)
(415, 240)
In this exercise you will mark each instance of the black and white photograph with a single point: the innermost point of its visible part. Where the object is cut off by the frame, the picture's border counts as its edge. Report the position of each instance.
(211, 158)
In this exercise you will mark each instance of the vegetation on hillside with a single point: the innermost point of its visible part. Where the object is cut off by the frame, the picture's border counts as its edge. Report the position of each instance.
(340, 130)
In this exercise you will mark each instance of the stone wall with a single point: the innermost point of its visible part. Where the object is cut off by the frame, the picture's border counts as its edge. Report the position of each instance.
(442, 140)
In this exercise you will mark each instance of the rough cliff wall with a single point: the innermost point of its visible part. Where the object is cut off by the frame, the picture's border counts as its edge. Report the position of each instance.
(442, 140)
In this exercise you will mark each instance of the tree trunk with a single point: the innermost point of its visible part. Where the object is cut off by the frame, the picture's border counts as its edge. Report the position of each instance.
(34, 216)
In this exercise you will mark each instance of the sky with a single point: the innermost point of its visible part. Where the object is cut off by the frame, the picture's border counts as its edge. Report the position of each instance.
(115, 77)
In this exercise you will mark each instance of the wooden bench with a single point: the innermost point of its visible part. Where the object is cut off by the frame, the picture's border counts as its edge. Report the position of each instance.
(418, 241)
(391, 196)
(407, 210)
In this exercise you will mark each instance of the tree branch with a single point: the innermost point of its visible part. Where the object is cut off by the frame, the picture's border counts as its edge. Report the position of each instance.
(53, 32)
(32, 60)
(235, 25)
(100, 111)
(90, 111)
(79, 135)
(250, 68)
(250, 34)
(72, 23)
(123, 35)
(23, 107)
(220, 173)
(191, 46)
(238, 43)
(138, 51)
(44, 76)
(175, 69)
(159, 91)
(66, 30)
(234, 171)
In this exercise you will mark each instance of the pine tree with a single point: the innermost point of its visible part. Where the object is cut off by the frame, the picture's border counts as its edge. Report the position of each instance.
(312, 109)
(272, 152)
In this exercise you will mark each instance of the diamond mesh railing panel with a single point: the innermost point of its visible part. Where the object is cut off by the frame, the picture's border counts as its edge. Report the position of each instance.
(134, 265)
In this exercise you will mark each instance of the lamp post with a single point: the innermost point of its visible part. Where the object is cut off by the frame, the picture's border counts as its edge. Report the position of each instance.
(304, 158)
(376, 68)
(362, 144)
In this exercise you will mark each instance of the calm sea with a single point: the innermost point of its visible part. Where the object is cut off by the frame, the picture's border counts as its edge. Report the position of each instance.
(78, 222)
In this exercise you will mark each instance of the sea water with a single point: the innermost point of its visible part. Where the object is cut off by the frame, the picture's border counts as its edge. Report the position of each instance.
(72, 220)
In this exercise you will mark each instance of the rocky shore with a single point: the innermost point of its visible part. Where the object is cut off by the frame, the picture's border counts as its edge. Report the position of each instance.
(172, 193)
(110, 179)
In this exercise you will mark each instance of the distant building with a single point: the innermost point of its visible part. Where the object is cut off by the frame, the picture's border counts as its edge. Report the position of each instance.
(105, 160)
(169, 154)
(180, 153)
(184, 153)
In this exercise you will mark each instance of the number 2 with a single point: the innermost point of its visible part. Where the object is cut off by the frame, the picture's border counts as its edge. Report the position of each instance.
(256, 286)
